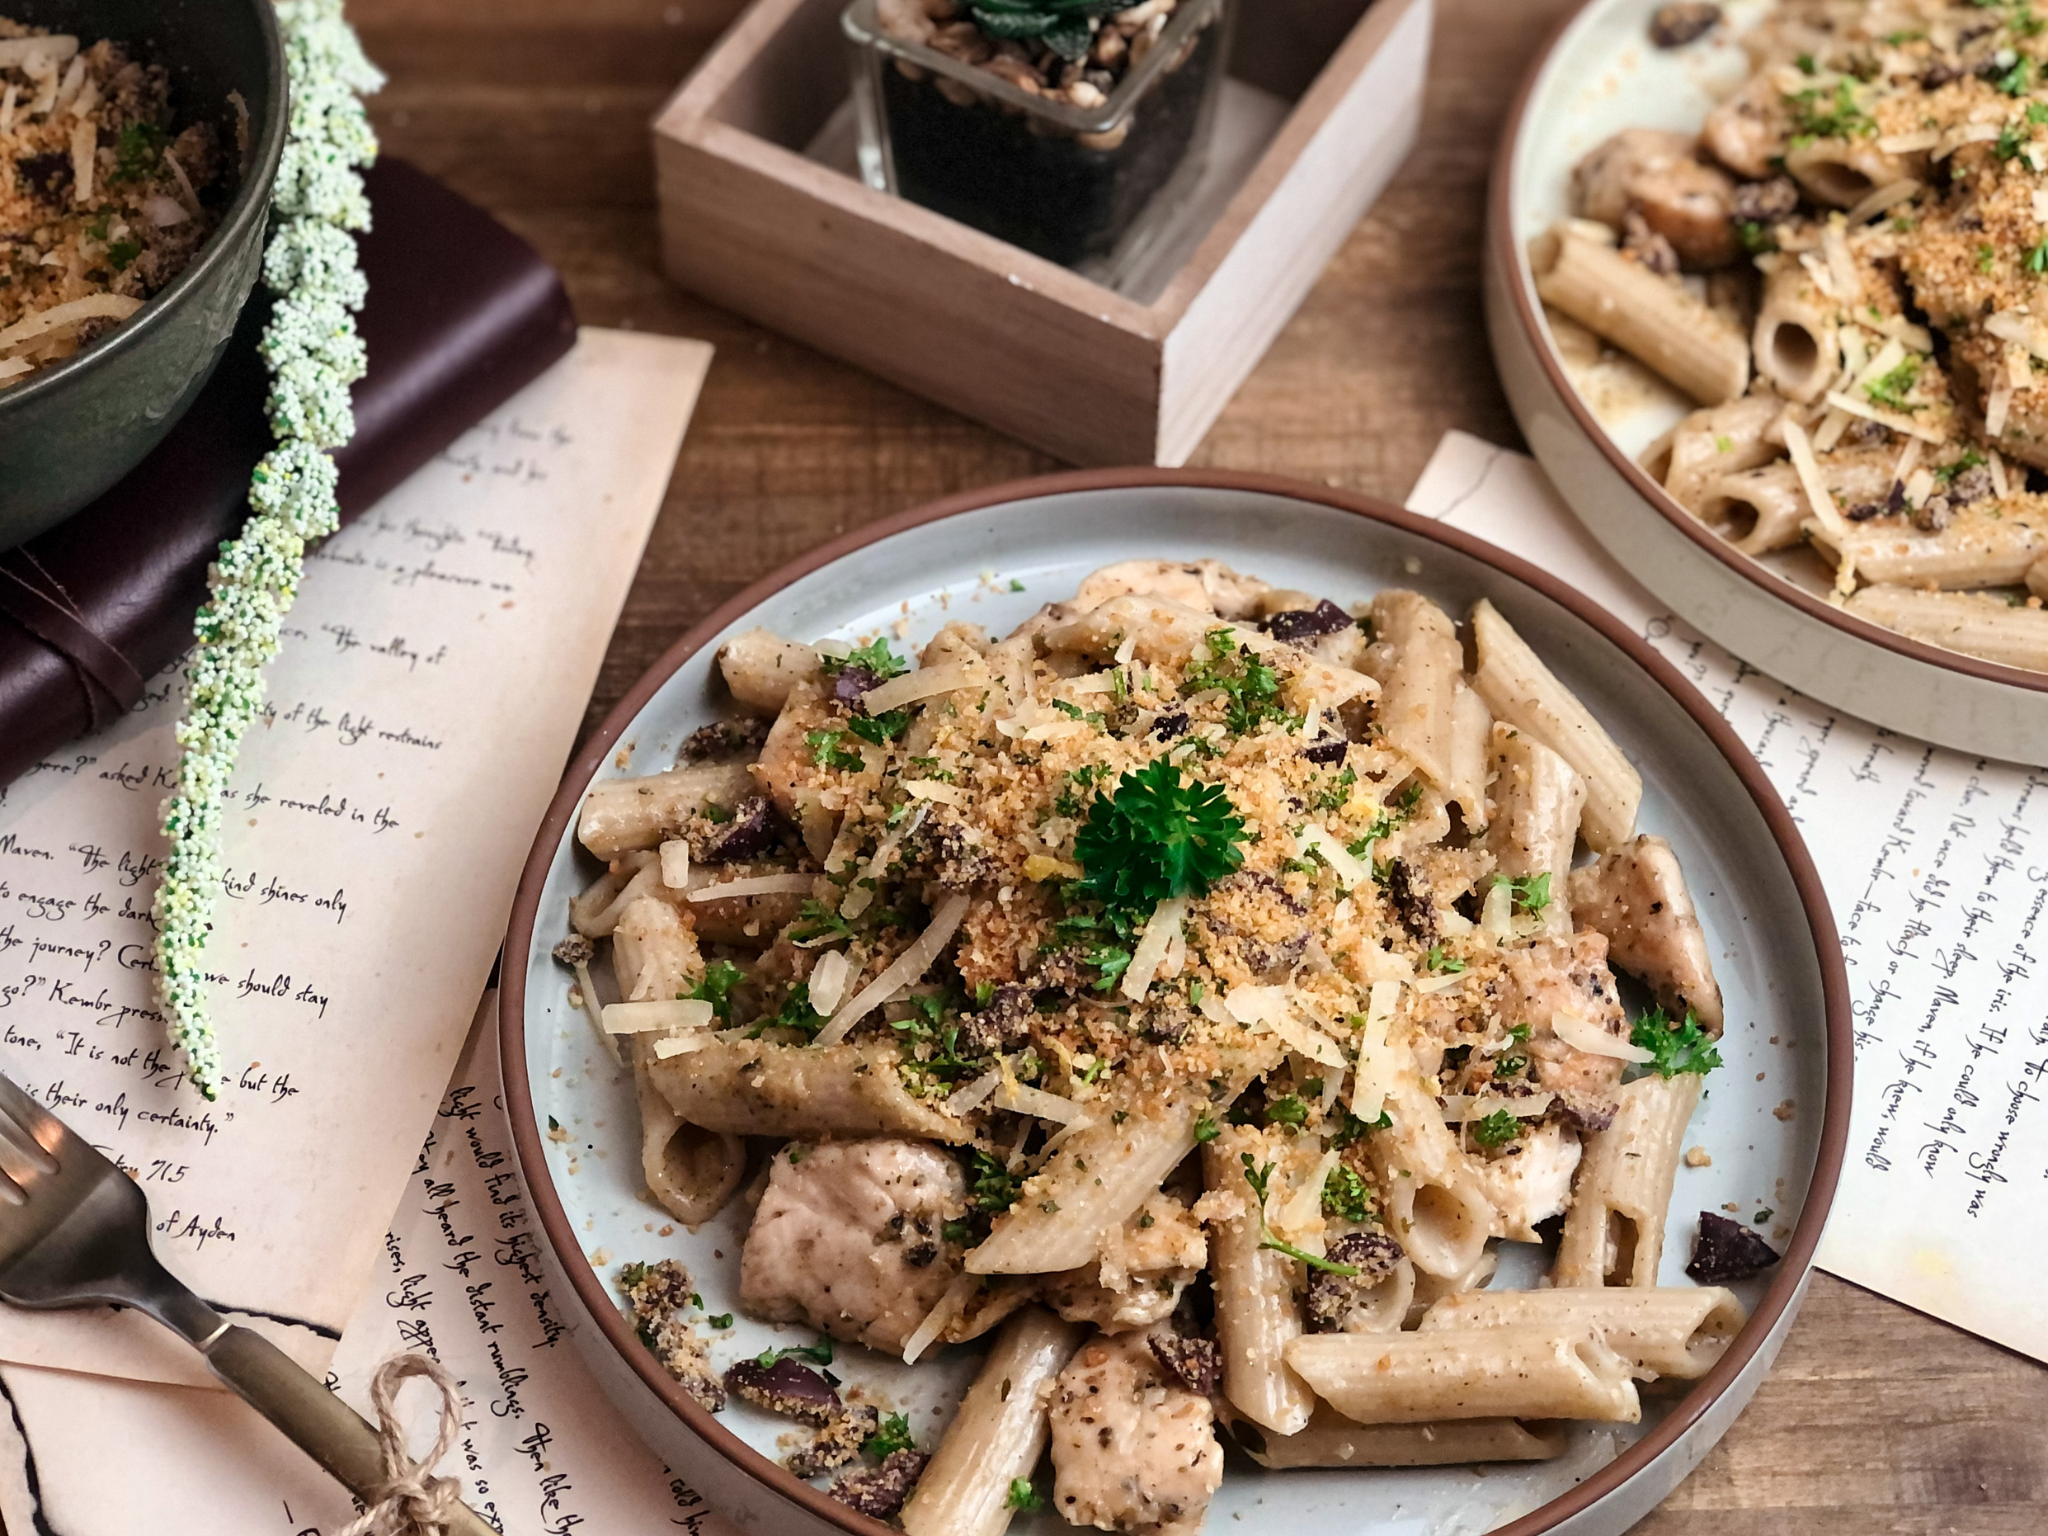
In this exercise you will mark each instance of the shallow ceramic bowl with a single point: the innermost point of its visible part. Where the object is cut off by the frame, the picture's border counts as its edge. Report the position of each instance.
(1599, 75)
(69, 431)
(993, 558)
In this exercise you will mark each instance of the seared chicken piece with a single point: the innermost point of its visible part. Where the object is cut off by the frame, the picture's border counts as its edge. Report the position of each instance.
(1636, 896)
(1132, 1449)
(847, 1239)
(1566, 975)
(1659, 176)
(1206, 585)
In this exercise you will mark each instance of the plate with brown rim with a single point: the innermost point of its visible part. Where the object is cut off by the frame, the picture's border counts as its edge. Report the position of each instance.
(1600, 74)
(1775, 1119)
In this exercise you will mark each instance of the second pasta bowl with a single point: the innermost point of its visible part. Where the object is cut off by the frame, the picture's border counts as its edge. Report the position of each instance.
(1186, 1148)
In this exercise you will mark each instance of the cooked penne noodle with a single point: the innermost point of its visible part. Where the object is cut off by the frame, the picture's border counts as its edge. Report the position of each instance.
(998, 1434)
(753, 1088)
(622, 815)
(654, 952)
(1418, 661)
(760, 667)
(1524, 693)
(1970, 552)
(1527, 1372)
(1717, 441)
(690, 1170)
(1471, 738)
(1099, 1175)
(1975, 623)
(1759, 510)
(1675, 1331)
(1656, 321)
(1434, 1203)
(1256, 1314)
(1614, 1231)
(1538, 801)
(1843, 171)
(1331, 1440)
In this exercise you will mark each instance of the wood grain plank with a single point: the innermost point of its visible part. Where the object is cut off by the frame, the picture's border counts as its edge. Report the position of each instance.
(1877, 1421)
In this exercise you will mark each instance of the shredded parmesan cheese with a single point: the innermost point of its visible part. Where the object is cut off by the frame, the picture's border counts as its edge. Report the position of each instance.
(95, 306)
(924, 683)
(1898, 421)
(975, 1094)
(1026, 1100)
(950, 1306)
(1161, 928)
(1584, 1035)
(1460, 1107)
(1890, 195)
(640, 1018)
(935, 789)
(828, 981)
(756, 885)
(906, 968)
(1349, 868)
(1999, 486)
(675, 864)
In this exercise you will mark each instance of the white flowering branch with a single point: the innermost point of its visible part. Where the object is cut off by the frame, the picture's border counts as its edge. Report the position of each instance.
(314, 354)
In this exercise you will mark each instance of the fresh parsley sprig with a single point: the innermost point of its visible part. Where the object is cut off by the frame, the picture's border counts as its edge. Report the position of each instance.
(819, 1353)
(1157, 837)
(1260, 1177)
(875, 657)
(1496, 1130)
(1530, 893)
(1675, 1047)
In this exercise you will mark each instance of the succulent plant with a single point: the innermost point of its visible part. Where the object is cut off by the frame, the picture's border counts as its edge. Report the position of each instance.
(1062, 25)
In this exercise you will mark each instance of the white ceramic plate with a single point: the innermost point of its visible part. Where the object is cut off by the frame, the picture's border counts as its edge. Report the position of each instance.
(1599, 75)
(994, 558)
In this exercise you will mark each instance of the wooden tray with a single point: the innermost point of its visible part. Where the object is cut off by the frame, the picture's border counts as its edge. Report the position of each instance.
(761, 212)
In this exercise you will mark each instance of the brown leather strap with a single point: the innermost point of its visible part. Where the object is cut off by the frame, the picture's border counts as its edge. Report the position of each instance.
(36, 601)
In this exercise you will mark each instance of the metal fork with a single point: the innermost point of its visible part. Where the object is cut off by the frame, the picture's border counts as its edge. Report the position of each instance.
(74, 1232)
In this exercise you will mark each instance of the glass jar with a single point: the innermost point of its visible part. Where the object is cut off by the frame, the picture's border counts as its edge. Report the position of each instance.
(1084, 177)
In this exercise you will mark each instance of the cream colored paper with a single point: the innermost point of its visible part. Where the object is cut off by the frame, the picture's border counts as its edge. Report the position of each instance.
(1936, 866)
(434, 673)
(542, 1452)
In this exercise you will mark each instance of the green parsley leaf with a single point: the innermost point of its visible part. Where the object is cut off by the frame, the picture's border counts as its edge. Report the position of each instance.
(880, 729)
(875, 656)
(893, 1436)
(1496, 1130)
(1675, 1047)
(1442, 964)
(1347, 1195)
(1986, 255)
(1971, 459)
(1260, 1177)
(2019, 79)
(1891, 389)
(722, 1320)
(1530, 893)
(1756, 236)
(720, 977)
(630, 1275)
(819, 921)
(1287, 1111)
(1157, 837)
(1349, 1126)
(827, 753)
(1023, 1496)
(796, 1013)
(819, 1353)
(1251, 688)
(1076, 712)
(1206, 1129)
(137, 151)
(1016, 585)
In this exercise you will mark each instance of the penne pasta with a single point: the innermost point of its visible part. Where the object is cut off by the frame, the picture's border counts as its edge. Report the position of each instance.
(1614, 1231)
(760, 667)
(1331, 1440)
(753, 1088)
(1970, 552)
(1759, 510)
(1524, 693)
(1256, 1314)
(1656, 321)
(1526, 1372)
(1538, 799)
(998, 1434)
(1677, 1331)
(1434, 1203)
(1419, 664)
(624, 815)
(1974, 623)
(690, 1170)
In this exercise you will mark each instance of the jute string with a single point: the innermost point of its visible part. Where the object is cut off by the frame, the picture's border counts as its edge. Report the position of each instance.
(411, 1501)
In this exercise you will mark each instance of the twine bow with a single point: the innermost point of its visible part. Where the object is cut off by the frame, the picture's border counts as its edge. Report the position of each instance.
(411, 1501)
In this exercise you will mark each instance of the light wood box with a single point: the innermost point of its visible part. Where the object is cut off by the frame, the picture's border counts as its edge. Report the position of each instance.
(1323, 104)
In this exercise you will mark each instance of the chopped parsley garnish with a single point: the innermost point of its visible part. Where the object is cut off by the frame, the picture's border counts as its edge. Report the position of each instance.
(994, 1189)
(819, 922)
(893, 1436)
(137, 151)
(1347, 1195)
(1016, 585)
(1496, 1130)
(1251, 688)
(875, 656)
(1763, 1215)
(819, 1353)
(1530, 893)
(1675, 1047)
(827, 753)
(880, 729)
(1023, 1496)
(1755, 235)
(1158, 837)
(1822, 114)
(1890, 389)
(1350, 1127)
(2037, 258)
(122, 252)
(722, 1320)
(1206, 1129)
(2019, 79)
(1288, 1111)
(796, 1013)
(1971, 459)
(720, 977)
(1986, 256)
(1440, 963)
(1333, 798)
(1076, 712)
(1260, 1176)
(630, 1275)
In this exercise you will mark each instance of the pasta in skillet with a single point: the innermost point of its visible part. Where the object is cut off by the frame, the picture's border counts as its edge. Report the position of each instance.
(1845, 270)
(1188, 990)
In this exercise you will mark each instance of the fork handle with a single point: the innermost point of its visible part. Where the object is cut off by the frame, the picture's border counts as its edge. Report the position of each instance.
(315, 1419)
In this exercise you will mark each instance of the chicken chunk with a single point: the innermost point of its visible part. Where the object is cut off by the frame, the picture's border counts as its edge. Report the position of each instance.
(1636, 897)
(1206, 585)
(1566, 975)
(847, 1239)
(1146, 1263)
(1532, 1182)
(1658, 176)
(1132, 1449)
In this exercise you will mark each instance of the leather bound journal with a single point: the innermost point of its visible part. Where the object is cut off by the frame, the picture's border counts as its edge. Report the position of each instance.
(461, 314)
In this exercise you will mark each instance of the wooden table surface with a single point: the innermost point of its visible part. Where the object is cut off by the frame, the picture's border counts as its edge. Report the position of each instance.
(1876, 1421)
